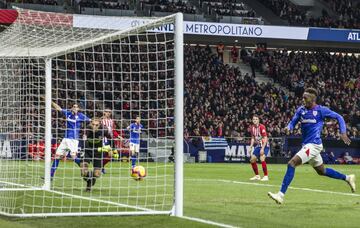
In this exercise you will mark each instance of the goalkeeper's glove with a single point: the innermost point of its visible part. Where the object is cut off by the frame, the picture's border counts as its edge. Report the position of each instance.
(115, 154)
(104, 149)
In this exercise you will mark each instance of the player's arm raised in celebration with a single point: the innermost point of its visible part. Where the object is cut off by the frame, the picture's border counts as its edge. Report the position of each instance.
(327, 113)
(53, 104)
(56, 106)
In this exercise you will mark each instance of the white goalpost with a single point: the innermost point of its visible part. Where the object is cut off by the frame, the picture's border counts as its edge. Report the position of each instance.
(51, 62)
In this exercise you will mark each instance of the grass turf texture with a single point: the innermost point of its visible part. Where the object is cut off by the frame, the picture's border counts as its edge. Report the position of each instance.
(210, 194)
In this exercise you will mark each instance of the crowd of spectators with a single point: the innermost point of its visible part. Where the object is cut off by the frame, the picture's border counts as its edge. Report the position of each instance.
(132, 80)
(114, 4)
(348, 13)
(336, 76)
(220, 99)
(174, 6)
(228, 8)
(286, 10)
(44, 2)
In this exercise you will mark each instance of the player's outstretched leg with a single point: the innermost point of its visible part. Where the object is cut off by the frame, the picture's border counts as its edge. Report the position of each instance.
(255, 168)
(96, 174)
(86, 174)
(350, 179)
(89, 181)
(133, 160)
(77, 160)
(106, 160)
(60, 152)
(91, 178)
(54, 166)
(289, 175)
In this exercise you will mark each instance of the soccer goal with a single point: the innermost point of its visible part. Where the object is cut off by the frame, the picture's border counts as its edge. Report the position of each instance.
(57, 69)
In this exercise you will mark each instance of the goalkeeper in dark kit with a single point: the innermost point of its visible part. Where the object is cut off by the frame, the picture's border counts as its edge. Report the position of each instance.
(96, 145)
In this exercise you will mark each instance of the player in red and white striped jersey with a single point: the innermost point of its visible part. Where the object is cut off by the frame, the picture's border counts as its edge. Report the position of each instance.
(260, 141)
(110, 125)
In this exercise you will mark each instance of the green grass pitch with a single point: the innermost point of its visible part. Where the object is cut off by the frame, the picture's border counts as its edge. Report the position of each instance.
(222, 193)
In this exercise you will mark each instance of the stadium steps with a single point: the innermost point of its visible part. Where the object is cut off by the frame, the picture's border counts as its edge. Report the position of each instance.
(259, 77)
(261, 10)
(316, 10)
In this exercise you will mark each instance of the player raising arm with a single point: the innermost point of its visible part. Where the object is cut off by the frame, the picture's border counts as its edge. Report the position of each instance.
(311, 117)
(74, 120)
(259, 138)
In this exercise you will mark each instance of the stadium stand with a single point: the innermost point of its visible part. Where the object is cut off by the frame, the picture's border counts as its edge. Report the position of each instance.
(44, 2)
(337, 77)
(109, 4)
(220, 100)
(226, 107)
(286, 10)
(175, 6)
(228, 8)
(348, 13)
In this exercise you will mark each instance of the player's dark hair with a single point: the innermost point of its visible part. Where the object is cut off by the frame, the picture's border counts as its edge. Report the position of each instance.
(311, 90)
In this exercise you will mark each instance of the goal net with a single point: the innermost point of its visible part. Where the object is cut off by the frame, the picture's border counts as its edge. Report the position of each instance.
(62, 74)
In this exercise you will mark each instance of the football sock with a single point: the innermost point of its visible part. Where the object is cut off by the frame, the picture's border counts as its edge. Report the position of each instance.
(289, 175)
(77, 161)
(334, 174)
(133, 161)
(264, 167)
(255, 168)
(54, 166)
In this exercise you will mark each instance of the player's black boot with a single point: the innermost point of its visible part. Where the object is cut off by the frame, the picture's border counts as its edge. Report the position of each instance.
(88, 185)
(93, 180)
(89, 181)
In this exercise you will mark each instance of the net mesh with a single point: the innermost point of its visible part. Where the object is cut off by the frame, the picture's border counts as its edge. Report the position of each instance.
(112, 75)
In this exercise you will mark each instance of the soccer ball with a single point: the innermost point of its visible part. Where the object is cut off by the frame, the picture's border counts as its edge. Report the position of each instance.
(138, 172)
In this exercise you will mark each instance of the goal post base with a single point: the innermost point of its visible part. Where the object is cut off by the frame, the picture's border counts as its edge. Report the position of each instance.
(81, 214)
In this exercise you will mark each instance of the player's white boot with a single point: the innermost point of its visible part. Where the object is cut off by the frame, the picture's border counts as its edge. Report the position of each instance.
(350, 179)
(265, 178)
(277, 197)
(255, 178)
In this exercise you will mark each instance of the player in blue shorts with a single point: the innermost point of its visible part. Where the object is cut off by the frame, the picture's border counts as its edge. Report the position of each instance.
(135, 131)
(312, 116)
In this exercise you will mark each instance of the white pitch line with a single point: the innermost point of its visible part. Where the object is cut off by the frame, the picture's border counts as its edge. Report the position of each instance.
(101, 201)
(23, 187)
(271, 185)
(209, 222)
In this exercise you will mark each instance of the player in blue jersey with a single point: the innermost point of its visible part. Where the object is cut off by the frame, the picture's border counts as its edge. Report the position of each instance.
(135, 131)
(70, 142)
(312, 116)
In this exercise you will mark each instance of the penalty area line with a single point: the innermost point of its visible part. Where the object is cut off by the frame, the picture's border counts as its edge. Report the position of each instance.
(271, 185)
(209, 222)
